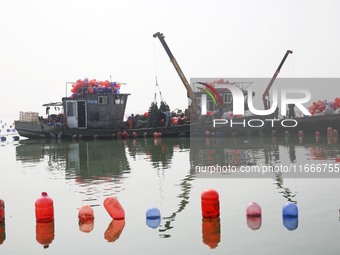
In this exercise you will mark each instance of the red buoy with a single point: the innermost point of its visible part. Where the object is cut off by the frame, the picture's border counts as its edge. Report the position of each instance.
(2, 232)
(85, 214)
(2, 210)
(44, 211)
(114, 208)
(210, 204)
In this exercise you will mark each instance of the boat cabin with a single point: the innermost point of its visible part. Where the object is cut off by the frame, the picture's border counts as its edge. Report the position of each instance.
(94, 111)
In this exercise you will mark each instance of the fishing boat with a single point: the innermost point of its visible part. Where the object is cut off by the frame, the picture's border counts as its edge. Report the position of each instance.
(89, 115)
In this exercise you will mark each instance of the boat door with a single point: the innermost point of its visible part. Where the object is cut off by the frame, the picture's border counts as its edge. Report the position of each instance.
(76, 114)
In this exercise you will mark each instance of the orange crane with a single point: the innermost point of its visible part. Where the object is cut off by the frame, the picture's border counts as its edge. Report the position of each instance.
(265, 96)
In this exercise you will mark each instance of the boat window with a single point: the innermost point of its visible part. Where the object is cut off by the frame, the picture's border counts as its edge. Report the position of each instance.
(71, 108)
(227, 98)
(119, 100)
(102, 100)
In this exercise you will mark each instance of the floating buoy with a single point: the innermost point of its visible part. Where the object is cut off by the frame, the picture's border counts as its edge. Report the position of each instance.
(317, 136)
(254, 216)
(45, 233)
(2, 232)
(2, 210)
(301, 136)
(211, 232)
(253, 210)
(125, 135)
(329, 135)
(153, 217)
(134, 134)
(210, 204)
(85, 214)
(290, 216)
(114, 230)
(145, 134)
(44, 210)
(2, 221)
(273, 133)
(114, 208)
(335, 136)
(290, 210)
(157, 135)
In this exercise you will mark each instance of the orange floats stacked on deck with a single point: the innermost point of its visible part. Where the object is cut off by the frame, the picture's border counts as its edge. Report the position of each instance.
(210, 204)
(86, 86)
(44, 210)
(114, 208)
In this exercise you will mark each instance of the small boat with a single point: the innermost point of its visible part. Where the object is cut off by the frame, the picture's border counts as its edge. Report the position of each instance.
(8, 133)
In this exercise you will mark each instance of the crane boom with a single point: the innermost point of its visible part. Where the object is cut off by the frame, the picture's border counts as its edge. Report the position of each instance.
(265, 96)
(190, 92)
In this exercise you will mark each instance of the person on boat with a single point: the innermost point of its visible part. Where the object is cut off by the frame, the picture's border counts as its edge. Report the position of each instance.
(291, 111)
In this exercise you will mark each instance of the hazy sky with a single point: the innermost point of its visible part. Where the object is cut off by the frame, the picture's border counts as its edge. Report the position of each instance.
(45, 44)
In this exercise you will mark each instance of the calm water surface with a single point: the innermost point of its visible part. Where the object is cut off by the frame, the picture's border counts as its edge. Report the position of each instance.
(144, 173)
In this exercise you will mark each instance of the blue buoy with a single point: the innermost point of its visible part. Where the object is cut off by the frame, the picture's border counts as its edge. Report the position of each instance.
(153, 213)
(290, 210)
(153, 217)
(290, 215)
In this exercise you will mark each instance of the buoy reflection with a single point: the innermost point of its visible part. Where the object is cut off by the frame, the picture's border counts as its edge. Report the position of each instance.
(211, 231)
(114, 230)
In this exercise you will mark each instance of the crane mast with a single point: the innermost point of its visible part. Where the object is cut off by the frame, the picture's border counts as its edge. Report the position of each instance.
(190, 92)
(265, 96)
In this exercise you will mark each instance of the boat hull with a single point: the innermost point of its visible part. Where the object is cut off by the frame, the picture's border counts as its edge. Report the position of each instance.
(309, 125)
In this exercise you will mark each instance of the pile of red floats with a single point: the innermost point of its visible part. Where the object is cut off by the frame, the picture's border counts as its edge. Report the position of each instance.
(86, 86)
(325, 108)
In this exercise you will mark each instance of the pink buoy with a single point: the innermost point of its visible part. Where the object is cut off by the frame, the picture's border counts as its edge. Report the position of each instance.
(254, 216)
(300, 135)
(329, 131)
(335, 136)
(114, 208)
(157, 135)
(134, 135)
(253, 210)
(125, 135)
(317, 136)
(210, 204)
